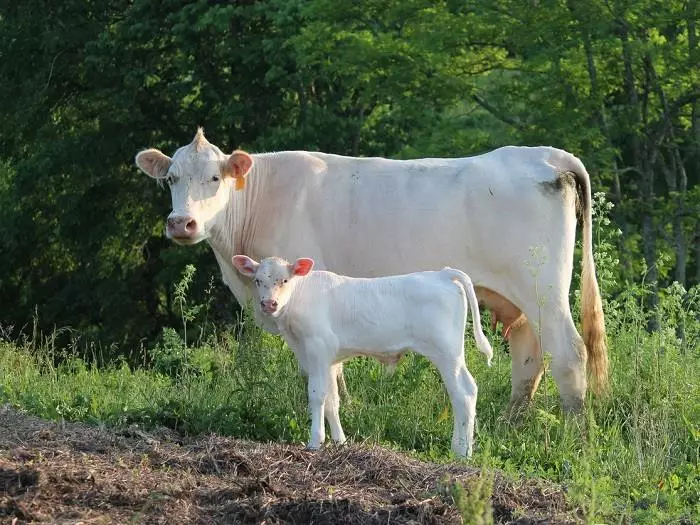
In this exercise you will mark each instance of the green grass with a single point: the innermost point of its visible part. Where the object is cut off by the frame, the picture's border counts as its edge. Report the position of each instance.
(633, 458)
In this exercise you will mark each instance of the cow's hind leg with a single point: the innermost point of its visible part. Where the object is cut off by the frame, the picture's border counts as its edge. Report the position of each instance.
(527, 367)
(559, 337)
(569, 358)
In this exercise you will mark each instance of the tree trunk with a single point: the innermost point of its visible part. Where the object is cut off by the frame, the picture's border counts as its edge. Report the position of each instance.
(691, 12)
(678, 216)
(601, 117)
(637, 120)
(697, 253)
(674, 173)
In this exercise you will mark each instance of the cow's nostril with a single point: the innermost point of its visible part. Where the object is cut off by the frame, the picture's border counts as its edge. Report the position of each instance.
(191, 226)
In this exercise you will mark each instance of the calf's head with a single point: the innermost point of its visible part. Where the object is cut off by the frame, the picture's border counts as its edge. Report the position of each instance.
(200, 177)
(275, 279)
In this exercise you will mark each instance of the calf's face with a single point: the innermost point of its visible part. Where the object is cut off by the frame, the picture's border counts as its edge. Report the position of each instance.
(274, 279)
(199, 176)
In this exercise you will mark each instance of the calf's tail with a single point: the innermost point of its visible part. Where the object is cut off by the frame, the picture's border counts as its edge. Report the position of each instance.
(465, 282)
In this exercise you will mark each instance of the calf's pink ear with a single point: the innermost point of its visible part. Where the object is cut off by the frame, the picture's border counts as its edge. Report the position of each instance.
(302, 266)
(238, 166)
(153, 163)
(245, 265)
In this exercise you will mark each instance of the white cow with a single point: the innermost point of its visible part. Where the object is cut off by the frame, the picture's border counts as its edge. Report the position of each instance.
(326, 318)
(368, 217)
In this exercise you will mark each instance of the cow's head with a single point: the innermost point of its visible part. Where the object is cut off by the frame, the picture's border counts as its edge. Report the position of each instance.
(275, 279)
(200, 176)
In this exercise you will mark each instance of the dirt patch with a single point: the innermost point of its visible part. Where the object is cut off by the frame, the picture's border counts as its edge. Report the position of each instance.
(70, 472)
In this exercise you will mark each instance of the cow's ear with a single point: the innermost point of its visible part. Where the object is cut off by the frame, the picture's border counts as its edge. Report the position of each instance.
(302, 266)
(153, 163)
(237, 165)
(245, 265)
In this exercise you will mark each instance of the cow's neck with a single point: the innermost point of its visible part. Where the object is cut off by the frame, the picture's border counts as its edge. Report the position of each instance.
(234, 232)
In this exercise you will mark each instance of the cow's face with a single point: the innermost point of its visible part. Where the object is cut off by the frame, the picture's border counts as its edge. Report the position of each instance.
(200, 176)
(274, 278)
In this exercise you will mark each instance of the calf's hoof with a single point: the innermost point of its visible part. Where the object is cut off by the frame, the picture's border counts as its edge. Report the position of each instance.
(460, 454)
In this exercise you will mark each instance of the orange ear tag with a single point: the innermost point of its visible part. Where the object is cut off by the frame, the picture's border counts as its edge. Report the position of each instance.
(240, 183)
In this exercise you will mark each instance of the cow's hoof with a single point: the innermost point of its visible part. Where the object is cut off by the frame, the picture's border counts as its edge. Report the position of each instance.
(573, 406)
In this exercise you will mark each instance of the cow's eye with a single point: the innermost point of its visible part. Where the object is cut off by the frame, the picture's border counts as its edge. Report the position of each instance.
(215, 178)
(169, 180)
(257, 282)
(284, 281)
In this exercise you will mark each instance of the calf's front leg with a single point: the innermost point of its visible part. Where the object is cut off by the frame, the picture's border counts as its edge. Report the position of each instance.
(319, 379)
(332, 404)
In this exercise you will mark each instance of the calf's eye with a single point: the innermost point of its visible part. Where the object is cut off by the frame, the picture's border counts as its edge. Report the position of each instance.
(284, 281)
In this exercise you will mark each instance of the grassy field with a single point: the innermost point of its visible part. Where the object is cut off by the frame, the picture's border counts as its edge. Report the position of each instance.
(633, 459)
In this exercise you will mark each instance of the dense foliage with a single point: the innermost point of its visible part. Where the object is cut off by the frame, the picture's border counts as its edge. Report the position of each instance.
(88, 84)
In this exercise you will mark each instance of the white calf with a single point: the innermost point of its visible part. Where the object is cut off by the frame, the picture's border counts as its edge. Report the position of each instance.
(326, 318)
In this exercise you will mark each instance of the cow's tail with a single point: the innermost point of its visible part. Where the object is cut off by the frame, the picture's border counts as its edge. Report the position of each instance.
(592, 319)
(466, 283)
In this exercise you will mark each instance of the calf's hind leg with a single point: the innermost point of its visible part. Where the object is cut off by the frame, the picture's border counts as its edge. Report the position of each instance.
(461, 388)
(469, 391)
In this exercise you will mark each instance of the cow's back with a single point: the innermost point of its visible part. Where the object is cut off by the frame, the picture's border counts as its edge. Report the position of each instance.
(372, 217)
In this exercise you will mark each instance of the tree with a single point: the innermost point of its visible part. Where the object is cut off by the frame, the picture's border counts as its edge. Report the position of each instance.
(612, 81)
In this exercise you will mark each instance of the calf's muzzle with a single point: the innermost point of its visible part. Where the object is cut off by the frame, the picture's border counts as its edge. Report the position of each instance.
(268, 306)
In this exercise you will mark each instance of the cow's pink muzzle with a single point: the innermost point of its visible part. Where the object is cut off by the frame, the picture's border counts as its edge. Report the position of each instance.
(182, 227)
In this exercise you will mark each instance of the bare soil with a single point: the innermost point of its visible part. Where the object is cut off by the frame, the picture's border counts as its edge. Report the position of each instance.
(75, 473)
